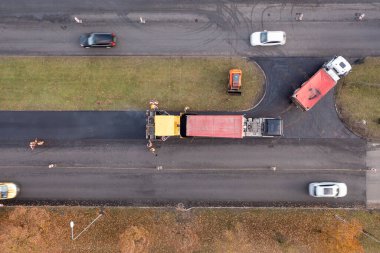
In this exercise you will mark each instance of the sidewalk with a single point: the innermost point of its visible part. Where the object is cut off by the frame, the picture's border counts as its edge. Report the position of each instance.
(373, 178)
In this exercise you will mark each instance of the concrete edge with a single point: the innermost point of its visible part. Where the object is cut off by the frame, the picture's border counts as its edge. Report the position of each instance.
(181, 207)
(373, 205)
(264, 92)
(344, 122)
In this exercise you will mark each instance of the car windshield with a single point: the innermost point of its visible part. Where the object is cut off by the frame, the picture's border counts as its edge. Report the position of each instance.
(263, 37)
(3, 191)
(91, 40)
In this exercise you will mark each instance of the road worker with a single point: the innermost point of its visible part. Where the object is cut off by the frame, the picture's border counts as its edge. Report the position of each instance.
(153, 104)
(35, 143)
(150, 144)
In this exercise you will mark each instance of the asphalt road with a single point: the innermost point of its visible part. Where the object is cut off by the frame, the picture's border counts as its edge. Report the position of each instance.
(47, 27)
(150, 187)
(198, 173)
(71, 125)
(291, 154)
(95, 166)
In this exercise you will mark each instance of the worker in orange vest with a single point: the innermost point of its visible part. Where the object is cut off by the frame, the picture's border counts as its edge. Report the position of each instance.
(35, 143)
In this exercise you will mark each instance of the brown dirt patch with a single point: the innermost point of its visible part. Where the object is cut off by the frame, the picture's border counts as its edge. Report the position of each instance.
(167, 230)
(134, 240)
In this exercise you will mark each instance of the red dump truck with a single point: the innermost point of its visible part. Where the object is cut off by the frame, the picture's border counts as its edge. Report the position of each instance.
(160, 125)
(321, 83)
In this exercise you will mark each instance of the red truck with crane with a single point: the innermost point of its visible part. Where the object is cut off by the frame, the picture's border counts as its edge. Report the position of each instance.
(314, 89)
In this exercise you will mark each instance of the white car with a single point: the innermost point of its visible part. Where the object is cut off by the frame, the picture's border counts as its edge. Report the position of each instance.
(268, 38)
(8, 190)
(328, 189)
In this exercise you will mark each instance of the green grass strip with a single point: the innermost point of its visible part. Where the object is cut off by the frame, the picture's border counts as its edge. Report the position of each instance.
(359, 98)
(124, 83)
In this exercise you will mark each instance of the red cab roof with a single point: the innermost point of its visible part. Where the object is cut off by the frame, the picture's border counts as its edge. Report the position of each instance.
(314, 89)
(218, 126)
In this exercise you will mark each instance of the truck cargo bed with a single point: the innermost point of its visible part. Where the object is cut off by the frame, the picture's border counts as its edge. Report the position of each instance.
(313, 89)
(217, 126)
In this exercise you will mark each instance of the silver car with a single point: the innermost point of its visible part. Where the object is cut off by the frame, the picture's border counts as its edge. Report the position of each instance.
(328, 189)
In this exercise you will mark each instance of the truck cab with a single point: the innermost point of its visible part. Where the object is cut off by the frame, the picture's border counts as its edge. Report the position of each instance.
(263, 127)
(337, 67)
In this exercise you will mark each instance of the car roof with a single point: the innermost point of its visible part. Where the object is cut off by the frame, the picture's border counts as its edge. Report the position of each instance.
(102, 37)
(275, 36)
(109, 34)
(328, 190)
(329, 184)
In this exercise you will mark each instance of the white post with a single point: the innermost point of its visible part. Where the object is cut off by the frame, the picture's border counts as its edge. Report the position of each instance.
(87, 226)
(79, 21)
(72, 229)
(299, 16)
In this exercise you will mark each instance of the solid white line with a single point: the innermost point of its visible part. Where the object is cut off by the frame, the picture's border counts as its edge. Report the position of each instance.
(163, 168)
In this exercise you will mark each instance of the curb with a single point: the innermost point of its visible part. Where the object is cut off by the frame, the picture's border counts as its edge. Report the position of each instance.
(264, 92)
(181, 207)
(344, 122)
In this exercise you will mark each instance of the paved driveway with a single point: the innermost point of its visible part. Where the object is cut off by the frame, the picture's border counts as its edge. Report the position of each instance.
(284, 75)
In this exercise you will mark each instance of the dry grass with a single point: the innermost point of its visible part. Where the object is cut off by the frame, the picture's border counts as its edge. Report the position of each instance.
(199, 230)
(358, 98)
(124, 83)
(370, 221)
